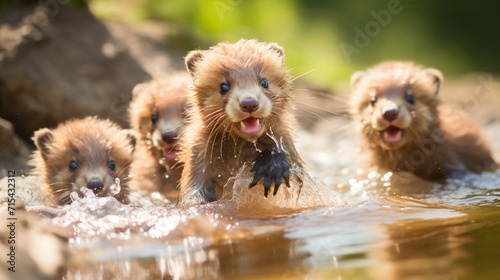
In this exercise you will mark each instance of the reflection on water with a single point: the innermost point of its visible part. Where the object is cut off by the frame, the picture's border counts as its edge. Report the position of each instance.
(351, 224)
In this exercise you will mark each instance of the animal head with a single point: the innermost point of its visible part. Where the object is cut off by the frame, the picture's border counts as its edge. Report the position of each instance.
(396, 102)
(87, 153)
(157, 113)
(239, 88)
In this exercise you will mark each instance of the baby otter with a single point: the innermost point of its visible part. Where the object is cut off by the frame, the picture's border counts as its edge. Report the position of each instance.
(405, 128)
(157, 115)
(239, 112)
(85, 152)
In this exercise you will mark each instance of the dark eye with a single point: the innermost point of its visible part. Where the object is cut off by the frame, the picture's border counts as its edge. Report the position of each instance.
(373, 100)
(224, 88)
(112, 166)
(264, 83)
(410, 99)
(73, 166)
(154, 118)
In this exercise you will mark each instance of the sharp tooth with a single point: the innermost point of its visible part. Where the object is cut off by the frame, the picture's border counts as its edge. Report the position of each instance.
(398, 135)
(258, 122)
(243, 125)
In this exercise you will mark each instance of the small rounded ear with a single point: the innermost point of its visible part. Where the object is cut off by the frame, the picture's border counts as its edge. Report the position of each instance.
(277, 48)
(191, 59)
(435, 76)
(130, 137)
(356, 78)
(42, 139)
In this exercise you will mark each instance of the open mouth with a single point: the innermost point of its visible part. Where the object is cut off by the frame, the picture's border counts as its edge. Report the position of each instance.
(170, 153)
(392, 135)
(251, 125)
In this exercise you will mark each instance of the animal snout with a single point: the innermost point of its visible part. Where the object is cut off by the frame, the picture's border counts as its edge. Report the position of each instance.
(390, 115)
(169, 137)
(95, 185)
(249, 105)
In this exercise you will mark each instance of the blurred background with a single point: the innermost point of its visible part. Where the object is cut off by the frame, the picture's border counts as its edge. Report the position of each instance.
(61, 59)
(456, 37)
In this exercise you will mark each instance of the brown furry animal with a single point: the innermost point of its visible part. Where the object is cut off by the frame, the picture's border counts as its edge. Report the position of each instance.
(157, 115)
(239, 112)
(85, 152)
(405, 128)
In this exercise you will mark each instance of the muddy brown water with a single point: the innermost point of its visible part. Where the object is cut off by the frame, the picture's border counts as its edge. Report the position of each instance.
(351, 223)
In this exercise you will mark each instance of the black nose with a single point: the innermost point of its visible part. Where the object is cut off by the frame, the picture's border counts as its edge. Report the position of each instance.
(95, 185)
(249, 105)
(390, 115)
(169, 137)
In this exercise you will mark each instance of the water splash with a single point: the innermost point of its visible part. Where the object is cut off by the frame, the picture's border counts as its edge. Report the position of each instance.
(304, 193)
(115, 188)
(74, 196)
(257, 149)
(87, 193)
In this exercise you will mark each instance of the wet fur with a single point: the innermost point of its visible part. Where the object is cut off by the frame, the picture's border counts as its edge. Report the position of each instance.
(439, 139)
(92, 143)
(166, 97)
(213, 149)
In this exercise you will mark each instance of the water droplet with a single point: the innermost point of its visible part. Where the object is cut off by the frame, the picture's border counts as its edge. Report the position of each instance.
(167, 176)
(156, 195)
(272, 137)
(115, 188)
(73, 196)
(87, 192)
(255, 145)
(372, 175)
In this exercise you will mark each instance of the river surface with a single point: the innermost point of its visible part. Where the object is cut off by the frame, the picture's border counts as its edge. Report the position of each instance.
(351, 223)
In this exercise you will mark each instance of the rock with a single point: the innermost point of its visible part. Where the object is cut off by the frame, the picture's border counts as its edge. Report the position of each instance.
(39, 251)
(13, 151)
(146, 43)
(57, 62)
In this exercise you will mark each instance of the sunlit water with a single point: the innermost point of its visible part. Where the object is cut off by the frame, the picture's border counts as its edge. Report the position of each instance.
(349, 224)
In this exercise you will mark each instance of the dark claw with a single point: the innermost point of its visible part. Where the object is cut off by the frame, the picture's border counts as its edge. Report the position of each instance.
(286, 176)
(272, 166)
(266, 190)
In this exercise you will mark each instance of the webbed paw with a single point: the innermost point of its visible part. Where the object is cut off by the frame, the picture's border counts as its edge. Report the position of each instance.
(272, 166)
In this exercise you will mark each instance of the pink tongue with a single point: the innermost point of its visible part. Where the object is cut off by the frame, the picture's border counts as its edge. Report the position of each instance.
(250, 125)
(392, 134)
(170, 154)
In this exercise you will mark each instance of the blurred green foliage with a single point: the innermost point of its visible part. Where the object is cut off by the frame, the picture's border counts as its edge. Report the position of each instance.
(456, 37)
